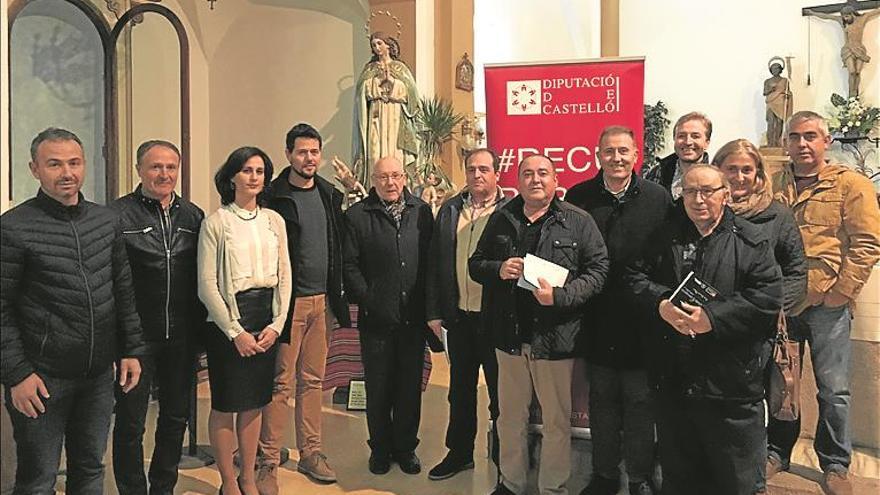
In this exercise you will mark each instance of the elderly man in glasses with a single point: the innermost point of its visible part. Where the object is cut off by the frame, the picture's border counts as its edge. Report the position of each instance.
(385, 254)
(708, 358)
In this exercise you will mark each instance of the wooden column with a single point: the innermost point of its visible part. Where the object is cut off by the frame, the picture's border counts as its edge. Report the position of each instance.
(453, 36)
(610, 19)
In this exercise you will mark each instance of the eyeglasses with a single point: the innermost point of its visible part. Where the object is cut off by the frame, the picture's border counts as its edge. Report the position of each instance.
(704, 193)
(388, 177)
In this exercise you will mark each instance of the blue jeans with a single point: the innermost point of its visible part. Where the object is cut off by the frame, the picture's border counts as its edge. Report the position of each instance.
(828, 332)
(78, 417)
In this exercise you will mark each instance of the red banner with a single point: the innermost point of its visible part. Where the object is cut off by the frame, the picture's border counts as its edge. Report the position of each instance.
(558, 109)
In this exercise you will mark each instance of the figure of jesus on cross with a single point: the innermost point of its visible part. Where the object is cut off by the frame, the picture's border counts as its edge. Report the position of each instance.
(853, 53)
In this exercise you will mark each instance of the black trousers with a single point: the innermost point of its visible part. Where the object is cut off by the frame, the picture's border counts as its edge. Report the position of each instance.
(711, 446)
(470, 347)
(393, 362)
(171, 369)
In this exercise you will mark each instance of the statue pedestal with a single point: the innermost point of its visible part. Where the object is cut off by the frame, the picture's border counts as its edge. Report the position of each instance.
(774, 159)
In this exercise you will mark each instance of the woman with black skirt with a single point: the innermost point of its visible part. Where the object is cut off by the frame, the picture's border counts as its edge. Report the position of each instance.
(245, 282)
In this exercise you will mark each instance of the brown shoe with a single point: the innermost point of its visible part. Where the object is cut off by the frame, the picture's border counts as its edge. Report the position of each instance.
(774, 467)
(267, 479)
(315, 466)
(836, 483)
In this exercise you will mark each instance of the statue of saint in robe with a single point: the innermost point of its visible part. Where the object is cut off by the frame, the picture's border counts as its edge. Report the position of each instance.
(777, 95)
(386, 103)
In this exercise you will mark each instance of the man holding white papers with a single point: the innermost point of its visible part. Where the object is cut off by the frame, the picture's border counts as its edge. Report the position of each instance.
(628, 210)
(708, 361)
(454, 302)
(534, 331)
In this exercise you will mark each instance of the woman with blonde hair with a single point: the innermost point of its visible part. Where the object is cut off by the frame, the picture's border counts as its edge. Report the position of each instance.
(751, 197)
(245, 283)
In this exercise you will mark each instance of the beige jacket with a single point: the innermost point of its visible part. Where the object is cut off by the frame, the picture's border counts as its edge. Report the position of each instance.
(839, 220)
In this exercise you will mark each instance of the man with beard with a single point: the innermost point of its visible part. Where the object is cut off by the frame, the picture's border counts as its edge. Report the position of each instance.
(312, 211)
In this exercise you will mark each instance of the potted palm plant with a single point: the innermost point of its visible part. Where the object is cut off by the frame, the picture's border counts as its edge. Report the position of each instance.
(436, 126)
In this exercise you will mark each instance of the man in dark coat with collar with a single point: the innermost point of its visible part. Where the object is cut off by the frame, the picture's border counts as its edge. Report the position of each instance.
(161, 237)
(312, 211)
(708, 361)
(691, 134)
(534, 329)
(68, 316)
(387, 238)
(628, 211)
(454, 303)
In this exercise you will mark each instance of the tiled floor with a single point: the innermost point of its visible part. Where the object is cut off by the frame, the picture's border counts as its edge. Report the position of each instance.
(345, 435)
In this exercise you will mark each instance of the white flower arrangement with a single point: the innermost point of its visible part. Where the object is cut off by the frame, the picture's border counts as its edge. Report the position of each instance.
(850, 116)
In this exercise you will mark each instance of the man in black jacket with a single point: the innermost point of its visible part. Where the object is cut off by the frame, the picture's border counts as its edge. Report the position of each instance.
(628, 211)
(312, 211)
(708, 361)
(161, 236)
(534, 330)
(454, 301)
(691, 134)
(387, 239)
(68, 314)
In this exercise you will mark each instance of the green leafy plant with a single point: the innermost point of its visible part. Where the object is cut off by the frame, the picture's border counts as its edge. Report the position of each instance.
(851, 117)
(436, 122)
(656, 125)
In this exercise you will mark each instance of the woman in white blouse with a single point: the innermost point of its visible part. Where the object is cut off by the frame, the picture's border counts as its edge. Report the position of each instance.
(244, 281)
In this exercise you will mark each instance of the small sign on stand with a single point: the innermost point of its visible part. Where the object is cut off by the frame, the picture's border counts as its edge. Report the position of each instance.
(357, 395)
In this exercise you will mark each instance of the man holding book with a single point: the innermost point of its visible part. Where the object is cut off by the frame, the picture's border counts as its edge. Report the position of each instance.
(712, 339)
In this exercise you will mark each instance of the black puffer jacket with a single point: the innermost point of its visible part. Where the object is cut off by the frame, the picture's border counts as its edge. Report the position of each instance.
(788, 249)
(386, 267)
(728, 362)
(611, 334)
(162, 248)
(283, 203)
(568, 238)
(67, 300)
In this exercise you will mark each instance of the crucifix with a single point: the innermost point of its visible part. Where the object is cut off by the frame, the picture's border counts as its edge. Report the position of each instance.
(852, 20)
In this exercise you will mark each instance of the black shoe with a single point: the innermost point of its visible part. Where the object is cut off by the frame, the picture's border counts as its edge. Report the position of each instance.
(600, 485)
(380, 464)
(449, 467)
(409, 463)
(500, 489)
(641, 488)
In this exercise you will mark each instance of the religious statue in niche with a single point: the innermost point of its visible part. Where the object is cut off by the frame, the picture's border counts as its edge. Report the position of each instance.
(853, 53)
(385, 107)
(464, 74)
(777, 95)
